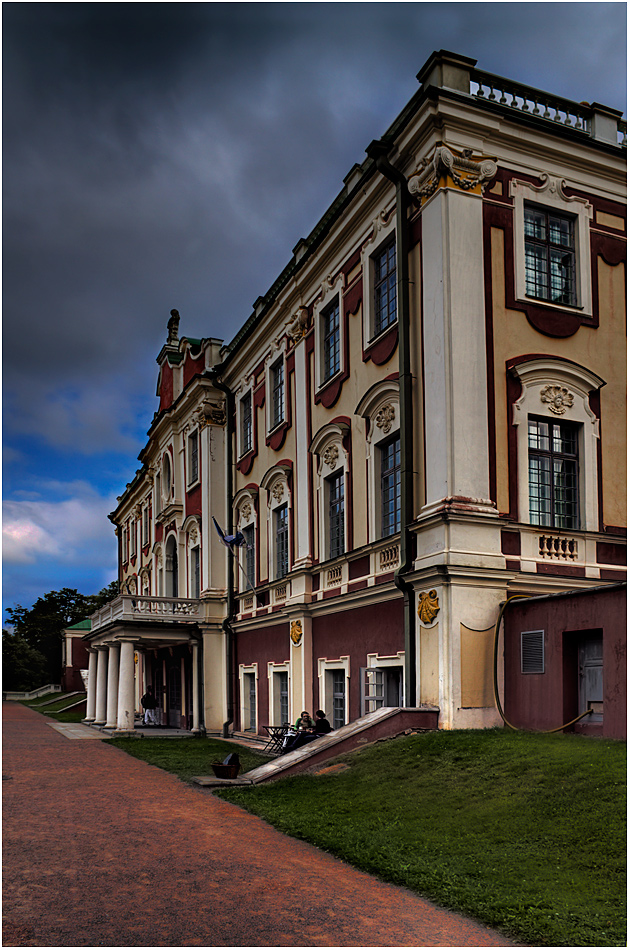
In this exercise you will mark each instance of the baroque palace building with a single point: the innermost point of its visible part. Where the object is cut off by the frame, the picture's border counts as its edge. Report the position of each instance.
(424, 415)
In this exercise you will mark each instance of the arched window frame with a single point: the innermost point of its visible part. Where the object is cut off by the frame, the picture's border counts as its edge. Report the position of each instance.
(331, 458)
(574, 383)
(380, 407)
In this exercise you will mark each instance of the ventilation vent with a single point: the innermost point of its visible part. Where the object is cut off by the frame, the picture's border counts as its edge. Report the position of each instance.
(533, 651)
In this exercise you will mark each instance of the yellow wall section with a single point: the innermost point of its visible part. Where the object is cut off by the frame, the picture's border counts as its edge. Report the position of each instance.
(596, 349)
(477, 657)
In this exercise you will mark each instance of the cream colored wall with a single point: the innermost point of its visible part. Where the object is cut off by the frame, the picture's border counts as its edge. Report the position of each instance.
(599, 350)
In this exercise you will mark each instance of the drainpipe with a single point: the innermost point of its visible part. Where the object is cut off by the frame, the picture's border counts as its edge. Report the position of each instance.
(227, 623)
(377, 150)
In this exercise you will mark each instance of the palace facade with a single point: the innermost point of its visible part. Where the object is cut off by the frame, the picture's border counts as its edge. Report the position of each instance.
(424, 415)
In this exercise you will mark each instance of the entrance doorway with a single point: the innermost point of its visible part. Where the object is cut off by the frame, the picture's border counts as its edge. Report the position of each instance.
(591, 678)
(381, 686)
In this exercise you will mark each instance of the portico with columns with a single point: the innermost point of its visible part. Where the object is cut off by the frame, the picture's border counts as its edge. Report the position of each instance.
(126, 657)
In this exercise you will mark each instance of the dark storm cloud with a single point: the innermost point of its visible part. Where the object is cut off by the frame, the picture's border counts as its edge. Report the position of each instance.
(171, 155)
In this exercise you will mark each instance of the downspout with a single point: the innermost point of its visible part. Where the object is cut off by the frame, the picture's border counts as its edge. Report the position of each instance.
(377, 150)
(230, 637)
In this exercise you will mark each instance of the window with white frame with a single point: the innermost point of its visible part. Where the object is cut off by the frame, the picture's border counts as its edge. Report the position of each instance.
(279, 703)
(331, 482)
(195, 572)
(557, 439)
(281, 540)
(334, 689)
(158, 493)
(246, 424)
(132, 537)
(145, 525)
(167, 478)
(336, 514)
(384, 280)
(552, 245)
(277, 394)
(124, 544)
(380, 408)
(389, 452)
(549, 256)
(331, 338)
(193, 457)
(248, 676)
(249, 557)
(553, 473)
(276, 483)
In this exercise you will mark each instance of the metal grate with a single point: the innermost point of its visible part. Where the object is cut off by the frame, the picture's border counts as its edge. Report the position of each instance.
(533, 651)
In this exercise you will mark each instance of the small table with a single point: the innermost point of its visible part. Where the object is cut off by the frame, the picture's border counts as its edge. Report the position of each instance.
(276, 738)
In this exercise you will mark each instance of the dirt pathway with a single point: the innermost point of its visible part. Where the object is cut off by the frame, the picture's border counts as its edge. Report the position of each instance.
(102, 850)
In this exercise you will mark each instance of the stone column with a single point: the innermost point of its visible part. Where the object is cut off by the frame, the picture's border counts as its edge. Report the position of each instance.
(90, 713)
(126, 688)
(112, 686)
(101, 687)
(195, 686)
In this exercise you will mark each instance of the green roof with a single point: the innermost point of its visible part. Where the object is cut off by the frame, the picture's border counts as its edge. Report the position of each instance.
(81, 625)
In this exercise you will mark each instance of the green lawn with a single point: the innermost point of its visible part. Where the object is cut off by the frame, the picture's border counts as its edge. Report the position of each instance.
(56, 709)
(525, 832)
(187, 757)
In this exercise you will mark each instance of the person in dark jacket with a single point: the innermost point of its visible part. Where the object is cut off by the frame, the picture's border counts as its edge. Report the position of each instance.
(321, 728)
(148, 704)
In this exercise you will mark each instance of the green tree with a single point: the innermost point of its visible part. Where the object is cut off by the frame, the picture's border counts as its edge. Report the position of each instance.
(41, 626)
(23, 667)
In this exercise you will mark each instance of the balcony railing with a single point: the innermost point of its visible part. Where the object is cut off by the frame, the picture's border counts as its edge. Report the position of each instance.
(527, 100)
(137, 607)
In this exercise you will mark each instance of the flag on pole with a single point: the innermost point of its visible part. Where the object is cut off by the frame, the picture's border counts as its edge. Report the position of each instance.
(231, 541)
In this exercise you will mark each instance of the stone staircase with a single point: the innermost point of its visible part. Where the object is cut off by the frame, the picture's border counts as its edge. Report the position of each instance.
(385, 723)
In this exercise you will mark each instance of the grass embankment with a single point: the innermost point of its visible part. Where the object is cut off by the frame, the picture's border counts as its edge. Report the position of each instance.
(56, 709)
(187, 757)
(525, 832)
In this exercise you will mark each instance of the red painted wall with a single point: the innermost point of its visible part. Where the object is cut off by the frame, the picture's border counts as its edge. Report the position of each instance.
(355, 633)
(541, 701)
(269, 645)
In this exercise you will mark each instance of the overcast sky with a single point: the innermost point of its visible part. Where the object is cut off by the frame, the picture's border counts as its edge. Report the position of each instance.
(161, 155)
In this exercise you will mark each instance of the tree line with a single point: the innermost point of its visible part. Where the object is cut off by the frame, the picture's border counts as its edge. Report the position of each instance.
(31, 648)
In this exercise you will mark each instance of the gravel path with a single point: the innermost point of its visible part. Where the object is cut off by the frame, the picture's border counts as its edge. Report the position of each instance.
(102, 850)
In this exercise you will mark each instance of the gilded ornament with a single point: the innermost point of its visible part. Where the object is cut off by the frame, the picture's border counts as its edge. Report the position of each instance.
(558, 398)
(429, 606)
(296, 631)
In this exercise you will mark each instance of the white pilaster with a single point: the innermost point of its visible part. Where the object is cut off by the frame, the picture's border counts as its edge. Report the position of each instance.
(90, 714)
(101, 687)
(126, 688)
(455, 348)
(303, 500)
(112, 686)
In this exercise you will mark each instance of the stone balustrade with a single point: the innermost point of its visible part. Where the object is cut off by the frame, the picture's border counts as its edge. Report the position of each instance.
(140, 607)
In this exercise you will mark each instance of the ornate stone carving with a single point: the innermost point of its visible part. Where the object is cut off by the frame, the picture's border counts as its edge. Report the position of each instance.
(246, 511)
(330, 456)
(193, 535)
(558, 398)
(278, 491)
(429, 606)
(462, 169)
(298, 325)
(158, 558)
(211, 412)
(385, 417)
(296, 632)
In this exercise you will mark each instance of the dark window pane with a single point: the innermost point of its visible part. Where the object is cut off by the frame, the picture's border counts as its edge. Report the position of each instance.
(553, 474)
(331, 341)
(282, 541)
(549, 257)
(390, 488)
(384, 288)
(336, 514)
